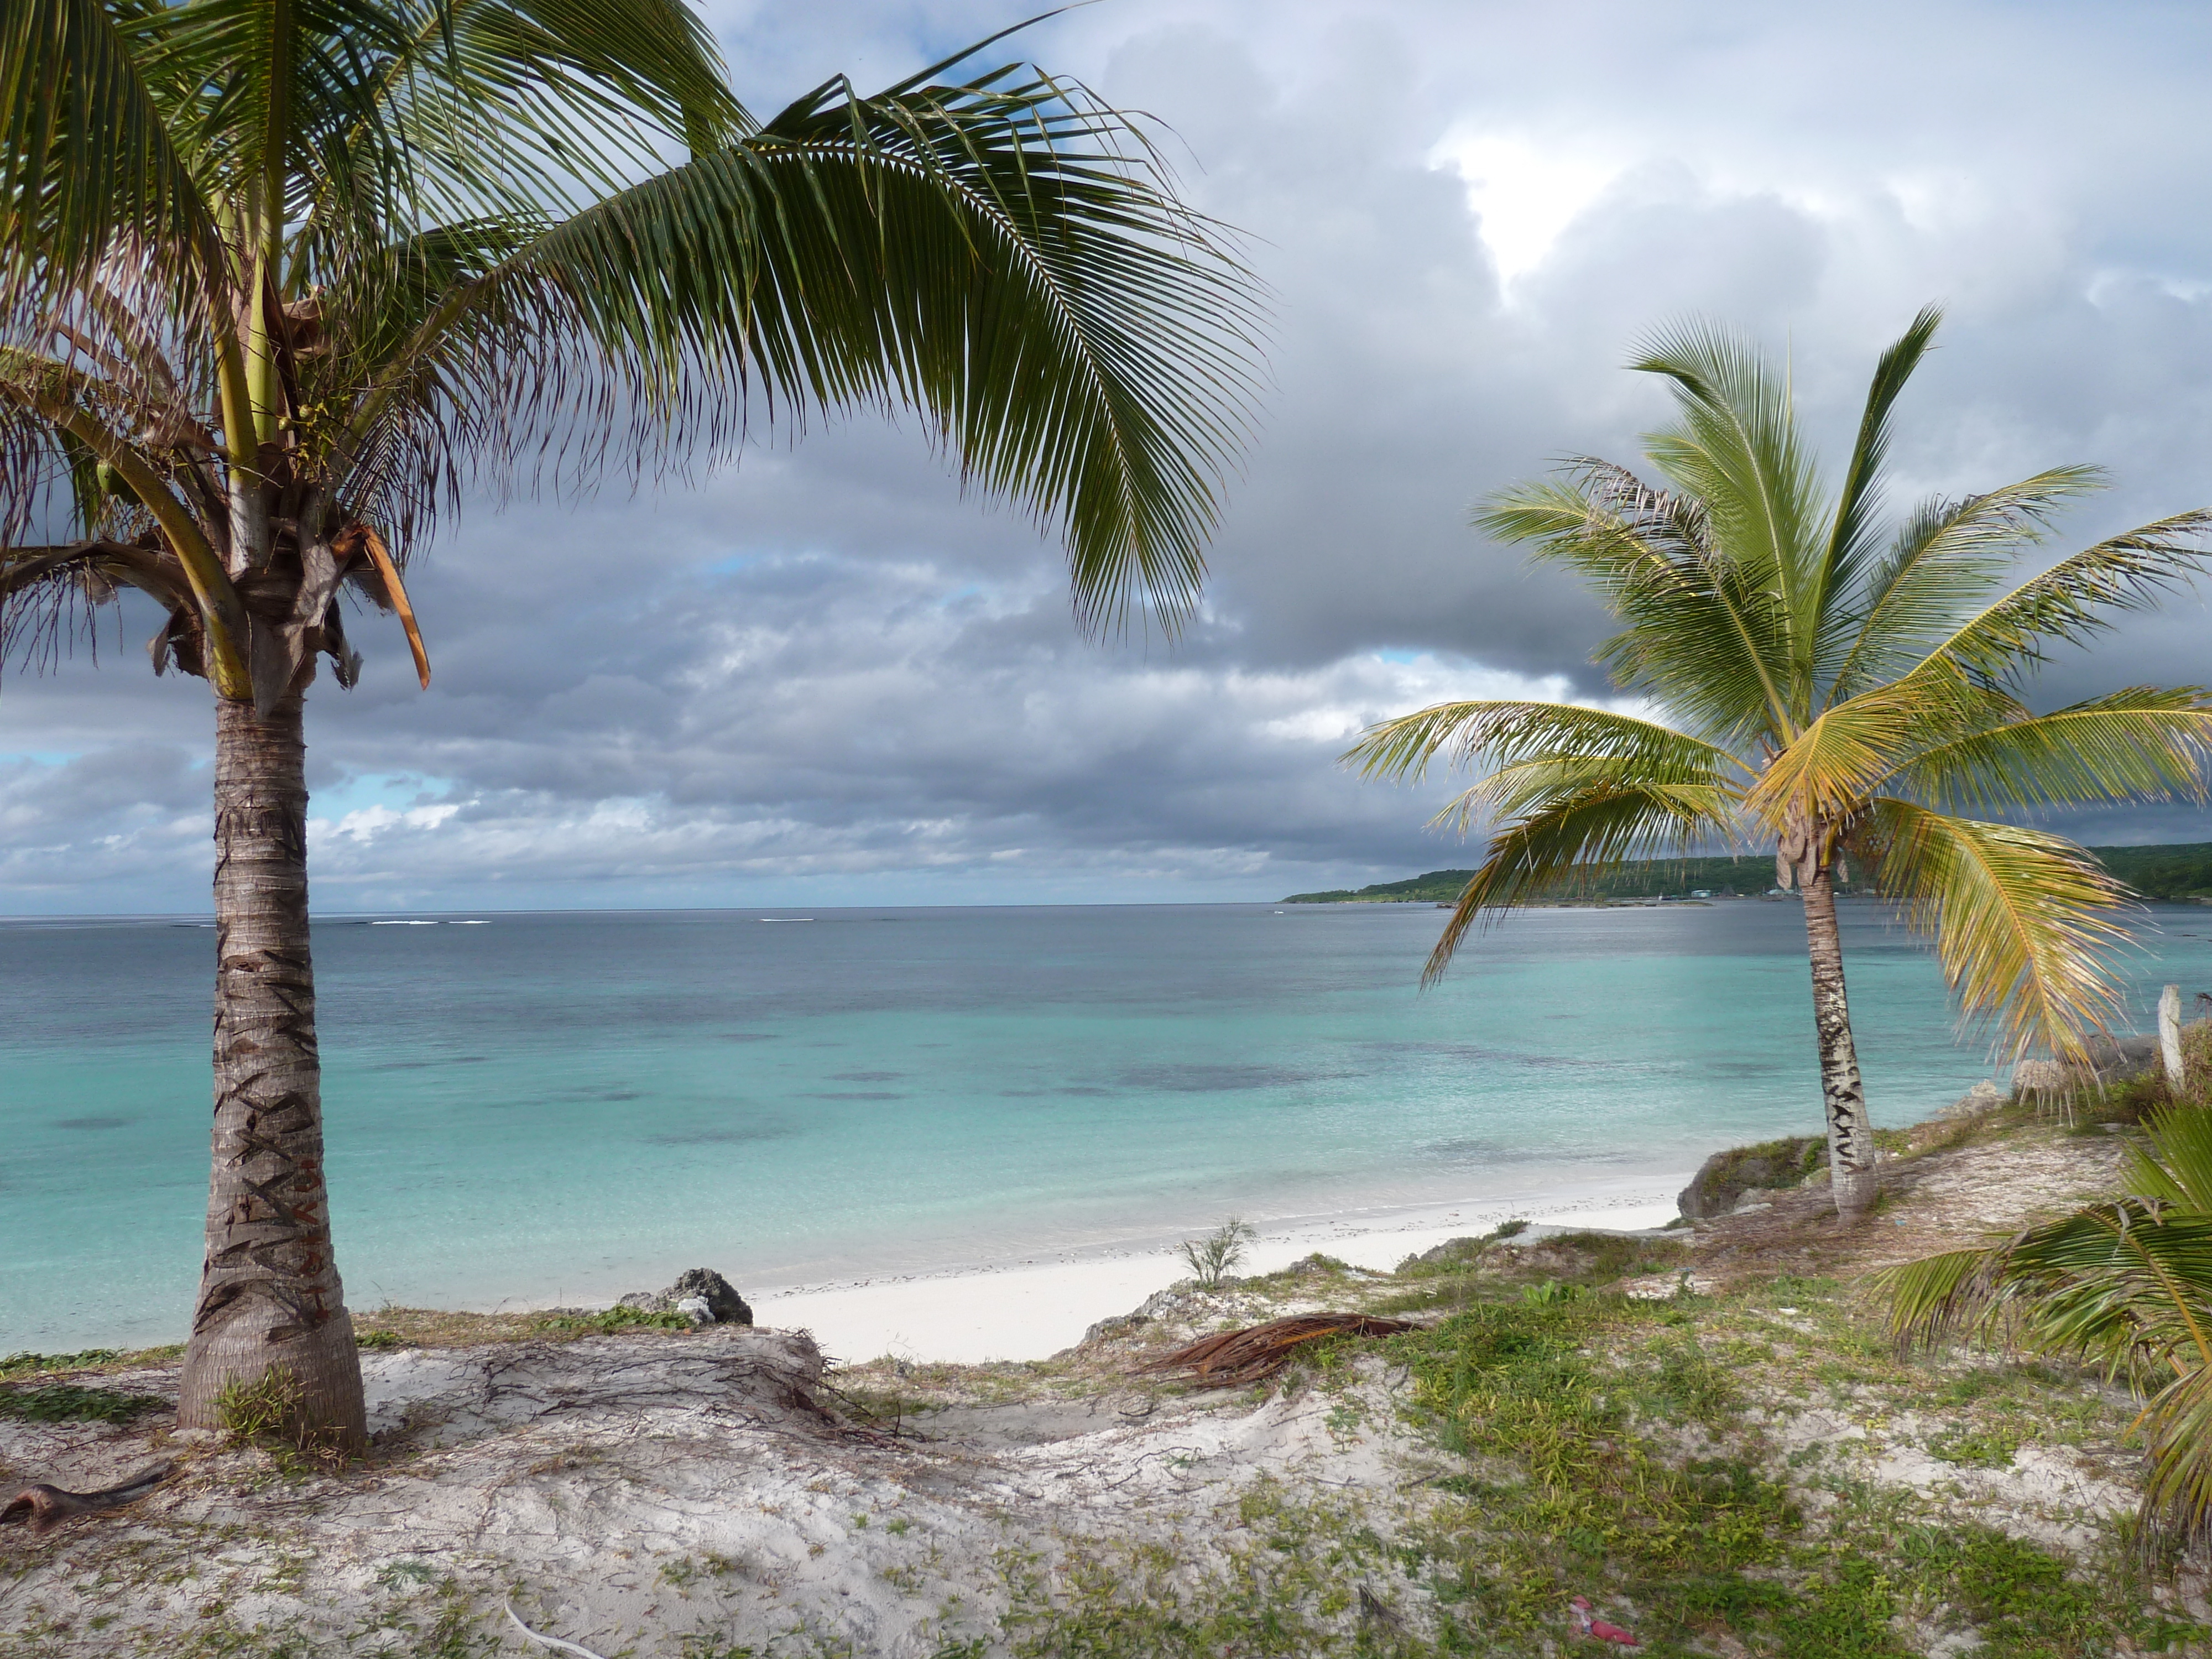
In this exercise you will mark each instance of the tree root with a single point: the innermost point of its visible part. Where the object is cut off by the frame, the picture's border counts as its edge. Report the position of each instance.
(46, 1507)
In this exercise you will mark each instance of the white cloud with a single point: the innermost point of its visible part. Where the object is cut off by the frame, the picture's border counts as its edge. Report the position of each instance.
(1523, 192)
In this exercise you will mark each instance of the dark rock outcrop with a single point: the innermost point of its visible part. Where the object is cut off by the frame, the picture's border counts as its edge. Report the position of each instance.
(702, 1287)
(1725, 1177)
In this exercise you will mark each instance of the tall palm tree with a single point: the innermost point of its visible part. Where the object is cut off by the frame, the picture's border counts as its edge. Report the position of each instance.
(280, 282)
(1832, 689)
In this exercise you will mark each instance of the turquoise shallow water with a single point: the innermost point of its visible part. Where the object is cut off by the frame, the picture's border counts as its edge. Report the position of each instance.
(576, 1104)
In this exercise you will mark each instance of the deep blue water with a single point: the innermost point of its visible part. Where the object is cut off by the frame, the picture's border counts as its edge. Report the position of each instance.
(575, 1105)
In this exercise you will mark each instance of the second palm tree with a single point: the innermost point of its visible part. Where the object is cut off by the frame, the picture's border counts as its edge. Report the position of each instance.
(1835, 688)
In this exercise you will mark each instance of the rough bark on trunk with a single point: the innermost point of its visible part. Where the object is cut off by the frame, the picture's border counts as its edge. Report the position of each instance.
(1850, 1133)
(269, 1292)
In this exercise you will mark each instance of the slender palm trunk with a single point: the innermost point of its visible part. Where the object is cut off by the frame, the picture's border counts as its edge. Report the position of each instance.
(1850, 1133)
(269, 1290)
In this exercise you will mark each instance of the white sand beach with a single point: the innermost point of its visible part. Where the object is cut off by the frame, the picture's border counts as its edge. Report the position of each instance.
(1027, 1309)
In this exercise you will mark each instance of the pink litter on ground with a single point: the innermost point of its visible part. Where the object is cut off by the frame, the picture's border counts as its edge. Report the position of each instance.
(1599, 1629)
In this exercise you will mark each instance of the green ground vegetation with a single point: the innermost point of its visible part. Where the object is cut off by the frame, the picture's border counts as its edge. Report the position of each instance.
(1639, 1453)
(2170, 874)
(71, 1402)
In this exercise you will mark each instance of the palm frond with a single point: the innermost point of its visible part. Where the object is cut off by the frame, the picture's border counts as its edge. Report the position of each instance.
(2125, 1283)
(1503, 733)
(2143, 743)
(89, 175)
(2022, 921)
(2172, 1162)
(1521, 788)
(1828, 769)
(991, 254)
(1824, 623)
(1737, 448)
(1946, 559)
(1582, 833)
(2177, 1431)
(1698, 636)
(2082, 597)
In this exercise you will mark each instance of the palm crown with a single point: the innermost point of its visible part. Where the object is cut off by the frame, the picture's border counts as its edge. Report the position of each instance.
(281, 280)
(1838, 692)
(1837, 689)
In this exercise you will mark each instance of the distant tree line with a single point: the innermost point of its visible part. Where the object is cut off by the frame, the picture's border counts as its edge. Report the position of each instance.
(2174, 874)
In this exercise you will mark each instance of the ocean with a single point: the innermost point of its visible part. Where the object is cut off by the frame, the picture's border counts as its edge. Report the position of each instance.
(533, 1108)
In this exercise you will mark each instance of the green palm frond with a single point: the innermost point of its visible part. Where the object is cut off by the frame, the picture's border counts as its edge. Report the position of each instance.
(1736, 447)
(2143, 743)
(1853, 532)
(2022, 921)
(2177, 1431)
(1697, 633)
(986, 252)
(1506, 732)
(2171, 1164)
(88, 168)
(2081, 597)
(1946, 559)
(2125, 1283)
(1581, 833)
(1516, 789)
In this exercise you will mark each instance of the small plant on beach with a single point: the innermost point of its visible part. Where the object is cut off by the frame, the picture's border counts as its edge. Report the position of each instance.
(271, 1412)
(1211, 1258)
(1850, 694)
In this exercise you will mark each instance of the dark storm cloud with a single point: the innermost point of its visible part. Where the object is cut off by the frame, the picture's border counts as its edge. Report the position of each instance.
(824, 674)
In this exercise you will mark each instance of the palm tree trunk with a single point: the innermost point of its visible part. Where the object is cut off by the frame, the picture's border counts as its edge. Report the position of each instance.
(269, 1294)
(1851, 1134)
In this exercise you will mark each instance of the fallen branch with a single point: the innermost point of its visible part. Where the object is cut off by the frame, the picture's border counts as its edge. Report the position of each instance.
(46, 1507)
(1258, 1352)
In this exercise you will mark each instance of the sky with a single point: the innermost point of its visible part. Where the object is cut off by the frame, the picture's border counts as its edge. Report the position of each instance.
(824, 676)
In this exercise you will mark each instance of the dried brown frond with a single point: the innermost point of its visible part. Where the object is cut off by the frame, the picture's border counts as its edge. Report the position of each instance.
(1229, 1358)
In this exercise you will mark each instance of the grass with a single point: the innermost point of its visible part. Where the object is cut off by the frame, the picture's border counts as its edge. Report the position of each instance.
(266, 1412)
(68, 1402)
(1628, 1452)
(35, 1364)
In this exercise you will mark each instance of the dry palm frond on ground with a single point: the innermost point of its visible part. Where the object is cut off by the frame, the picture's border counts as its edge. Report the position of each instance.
(1258, 1352)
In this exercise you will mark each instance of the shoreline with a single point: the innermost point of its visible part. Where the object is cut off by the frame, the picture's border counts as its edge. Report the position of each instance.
(1030, 1309)
(1030, 1305)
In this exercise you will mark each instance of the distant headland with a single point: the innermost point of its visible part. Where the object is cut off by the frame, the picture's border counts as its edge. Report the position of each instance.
(2175, 874)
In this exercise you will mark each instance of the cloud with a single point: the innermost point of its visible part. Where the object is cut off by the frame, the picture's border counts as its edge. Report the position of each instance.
(825, 674)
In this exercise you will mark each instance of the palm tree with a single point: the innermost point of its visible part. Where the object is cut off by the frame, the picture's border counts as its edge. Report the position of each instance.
(2126, 1283)
(280, 284)
(1835, 691)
